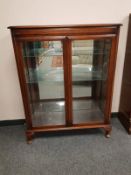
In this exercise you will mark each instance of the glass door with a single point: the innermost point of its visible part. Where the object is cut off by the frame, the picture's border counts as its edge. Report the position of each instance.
(44, 73)
(90, 60)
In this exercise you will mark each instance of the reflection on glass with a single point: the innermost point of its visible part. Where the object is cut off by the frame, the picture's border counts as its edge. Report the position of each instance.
(44, 76)
(89, 75)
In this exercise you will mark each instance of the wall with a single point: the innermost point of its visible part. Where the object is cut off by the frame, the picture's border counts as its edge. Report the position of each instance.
(43, 12)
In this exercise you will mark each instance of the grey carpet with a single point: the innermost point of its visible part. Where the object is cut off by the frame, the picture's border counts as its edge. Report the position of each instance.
(71, 153)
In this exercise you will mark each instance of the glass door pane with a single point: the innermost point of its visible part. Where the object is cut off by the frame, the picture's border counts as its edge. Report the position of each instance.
(45, 81)
(89, 74)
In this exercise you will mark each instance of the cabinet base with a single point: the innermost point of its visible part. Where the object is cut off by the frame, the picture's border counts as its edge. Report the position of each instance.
(30, 133)
(125, 120)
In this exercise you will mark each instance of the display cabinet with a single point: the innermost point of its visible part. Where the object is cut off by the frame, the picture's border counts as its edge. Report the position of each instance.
(66, 75)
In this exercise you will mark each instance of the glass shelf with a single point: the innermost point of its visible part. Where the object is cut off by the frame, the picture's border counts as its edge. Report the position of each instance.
(85, 51)
(80, 73)
(41, 52)
(47, 113)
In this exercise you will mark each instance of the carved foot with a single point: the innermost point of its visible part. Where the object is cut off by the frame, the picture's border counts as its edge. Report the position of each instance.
(108, 132)
(29, 136)
(108, 135)
(29, 141)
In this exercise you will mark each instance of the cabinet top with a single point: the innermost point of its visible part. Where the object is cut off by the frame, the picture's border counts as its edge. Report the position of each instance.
(63, 26)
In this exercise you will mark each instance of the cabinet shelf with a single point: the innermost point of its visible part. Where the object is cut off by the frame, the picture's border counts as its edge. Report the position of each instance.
(48, 113)
(80, 74)
(87, 53)
(76, 51)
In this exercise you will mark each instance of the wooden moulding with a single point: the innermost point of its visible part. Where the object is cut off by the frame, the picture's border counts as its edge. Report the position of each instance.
(64, 30)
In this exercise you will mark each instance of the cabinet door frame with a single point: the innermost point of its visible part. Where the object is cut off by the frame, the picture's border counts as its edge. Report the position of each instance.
(24, 89)
(110, 72)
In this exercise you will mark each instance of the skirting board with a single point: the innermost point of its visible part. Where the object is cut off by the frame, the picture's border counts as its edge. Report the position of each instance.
(12, 122)
(22, 121)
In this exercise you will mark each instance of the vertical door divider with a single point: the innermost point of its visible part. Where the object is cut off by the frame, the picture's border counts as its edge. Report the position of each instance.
(67, 80)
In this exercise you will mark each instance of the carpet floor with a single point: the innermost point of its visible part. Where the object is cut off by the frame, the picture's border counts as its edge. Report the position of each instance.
(69, 153)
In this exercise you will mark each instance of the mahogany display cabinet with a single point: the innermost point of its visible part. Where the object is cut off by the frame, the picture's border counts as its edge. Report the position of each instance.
(66, 75)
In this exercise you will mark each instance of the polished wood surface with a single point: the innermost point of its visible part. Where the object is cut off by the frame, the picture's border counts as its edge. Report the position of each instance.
(125, 99)
(67, 78)
(63, 26)
(66, 34)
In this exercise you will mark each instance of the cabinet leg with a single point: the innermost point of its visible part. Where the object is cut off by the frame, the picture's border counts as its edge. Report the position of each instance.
(108, 131)
(129, 130)
(29, 136)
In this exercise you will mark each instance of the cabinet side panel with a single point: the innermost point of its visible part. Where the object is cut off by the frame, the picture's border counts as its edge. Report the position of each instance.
(20, 69)
(111, 74)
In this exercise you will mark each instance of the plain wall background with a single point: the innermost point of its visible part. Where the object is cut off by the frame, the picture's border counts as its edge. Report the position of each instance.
(44, 12)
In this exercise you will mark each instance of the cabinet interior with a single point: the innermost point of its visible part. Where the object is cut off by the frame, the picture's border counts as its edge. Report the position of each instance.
(44, 62)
